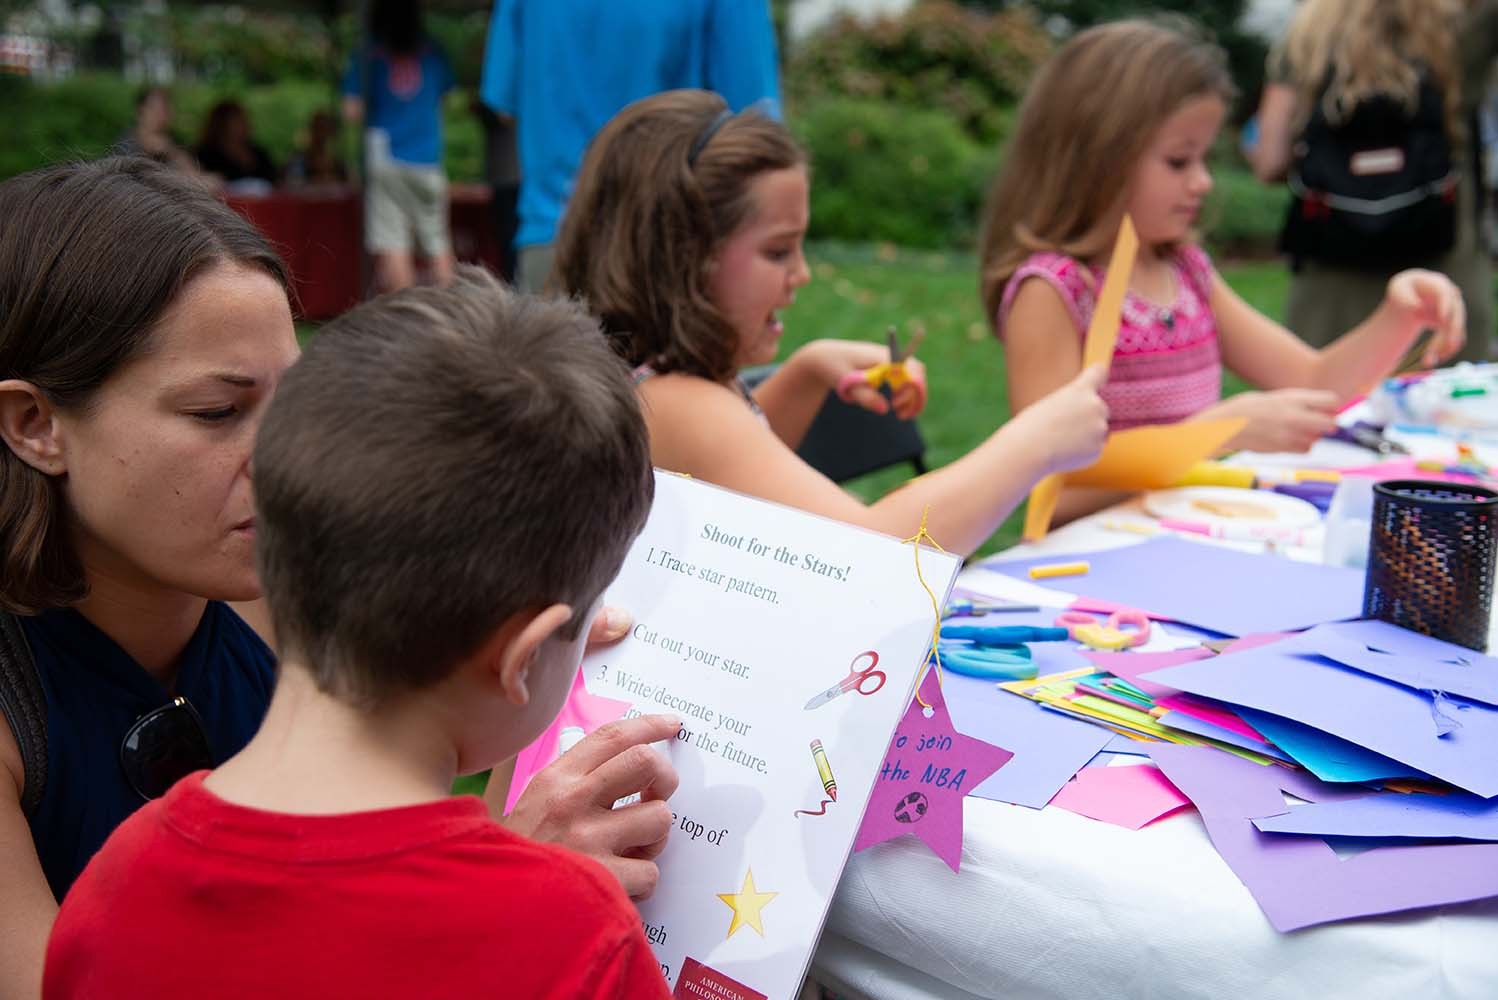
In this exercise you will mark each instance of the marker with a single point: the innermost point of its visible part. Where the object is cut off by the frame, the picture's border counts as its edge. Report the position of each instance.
(1059, 569)
(829, 783)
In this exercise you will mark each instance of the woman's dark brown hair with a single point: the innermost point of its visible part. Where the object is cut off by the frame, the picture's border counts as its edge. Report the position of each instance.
(647, 218)
(91, 255)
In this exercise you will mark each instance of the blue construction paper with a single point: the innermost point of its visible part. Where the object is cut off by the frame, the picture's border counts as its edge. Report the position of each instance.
(1387, 718)
(1048, 748)
(1392, 814)
(1200, 727)
(1405, 657)
(1208, 586)
(1327, 757)
(1300, 881)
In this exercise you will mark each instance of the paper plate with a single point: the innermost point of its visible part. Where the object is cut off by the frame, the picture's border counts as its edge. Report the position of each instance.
(1225, 505)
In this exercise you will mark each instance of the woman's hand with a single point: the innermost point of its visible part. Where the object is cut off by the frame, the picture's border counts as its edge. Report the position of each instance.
(1427, 300)
(571, 801)
(1281, 420)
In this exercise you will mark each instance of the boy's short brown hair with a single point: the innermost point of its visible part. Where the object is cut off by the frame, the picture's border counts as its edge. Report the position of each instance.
(437, 461)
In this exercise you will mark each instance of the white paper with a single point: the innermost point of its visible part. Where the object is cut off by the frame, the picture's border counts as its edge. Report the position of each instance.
(746, 610)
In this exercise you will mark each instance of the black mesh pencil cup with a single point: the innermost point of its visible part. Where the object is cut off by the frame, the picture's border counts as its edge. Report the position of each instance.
(1430, 559)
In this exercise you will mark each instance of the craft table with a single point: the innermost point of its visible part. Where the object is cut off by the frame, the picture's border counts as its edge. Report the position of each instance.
(1052, 904)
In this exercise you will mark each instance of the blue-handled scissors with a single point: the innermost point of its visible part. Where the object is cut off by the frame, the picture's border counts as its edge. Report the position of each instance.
(994, 652)
(854, 681)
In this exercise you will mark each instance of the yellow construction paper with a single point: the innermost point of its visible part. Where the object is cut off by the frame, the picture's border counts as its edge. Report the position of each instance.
(1102, 336)
(1155, 458)
(1102, 332)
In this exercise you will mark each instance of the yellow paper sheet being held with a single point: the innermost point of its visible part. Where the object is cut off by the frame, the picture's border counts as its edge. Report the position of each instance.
(1155, 458)
(1097, 349)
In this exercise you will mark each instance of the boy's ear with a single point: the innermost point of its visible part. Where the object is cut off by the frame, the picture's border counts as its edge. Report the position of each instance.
(28, 423)
(529, 629)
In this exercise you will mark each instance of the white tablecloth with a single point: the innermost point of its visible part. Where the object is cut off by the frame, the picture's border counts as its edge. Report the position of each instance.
(1052, 904)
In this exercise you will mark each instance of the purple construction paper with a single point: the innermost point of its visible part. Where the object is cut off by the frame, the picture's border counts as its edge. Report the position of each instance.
(1211, 587)
(1387, 718)
(1130, 666)
(928, 769)
(1392, 814)
(1201, 727)
(1405, 657)
(1327, 757)
(1299, 881)
(1048, 748)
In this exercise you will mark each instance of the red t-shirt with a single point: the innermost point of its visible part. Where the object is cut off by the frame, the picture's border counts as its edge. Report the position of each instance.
(195, 896)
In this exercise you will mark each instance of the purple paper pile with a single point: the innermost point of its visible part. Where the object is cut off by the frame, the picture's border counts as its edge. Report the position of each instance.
(1353, 702)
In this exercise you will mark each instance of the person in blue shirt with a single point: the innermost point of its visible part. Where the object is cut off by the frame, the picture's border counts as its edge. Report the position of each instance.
(562, 68)
(396, 86)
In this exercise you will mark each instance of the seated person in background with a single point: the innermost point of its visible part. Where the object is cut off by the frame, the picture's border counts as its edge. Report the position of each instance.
(1121, 121)
(327, 857)
(151, 133)
(226, 148)
(684, 235)
(318, 162)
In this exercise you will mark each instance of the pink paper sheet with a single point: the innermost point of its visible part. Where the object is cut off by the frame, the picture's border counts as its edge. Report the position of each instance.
(583, 710)
(1131, 795)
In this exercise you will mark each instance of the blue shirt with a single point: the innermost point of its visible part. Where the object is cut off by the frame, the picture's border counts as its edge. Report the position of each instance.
(95, 692)
(563, 68)
(403, 99)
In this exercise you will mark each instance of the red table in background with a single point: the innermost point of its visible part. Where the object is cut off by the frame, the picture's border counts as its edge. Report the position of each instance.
(319, 233)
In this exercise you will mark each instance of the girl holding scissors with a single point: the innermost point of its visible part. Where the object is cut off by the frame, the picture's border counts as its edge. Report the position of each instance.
(684, 235)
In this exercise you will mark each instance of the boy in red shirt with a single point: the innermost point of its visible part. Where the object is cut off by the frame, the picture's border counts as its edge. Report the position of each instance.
(445, 483)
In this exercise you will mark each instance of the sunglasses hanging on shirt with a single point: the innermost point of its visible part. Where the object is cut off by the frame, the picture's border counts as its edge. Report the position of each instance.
(163, 746)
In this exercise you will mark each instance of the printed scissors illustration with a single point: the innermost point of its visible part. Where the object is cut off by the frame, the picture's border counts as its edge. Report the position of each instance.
(853, 682)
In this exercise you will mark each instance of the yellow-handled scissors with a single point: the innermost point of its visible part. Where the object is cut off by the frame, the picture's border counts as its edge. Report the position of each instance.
(893, 373)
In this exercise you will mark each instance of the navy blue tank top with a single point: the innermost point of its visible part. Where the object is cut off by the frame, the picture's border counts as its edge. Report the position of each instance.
(95, 692)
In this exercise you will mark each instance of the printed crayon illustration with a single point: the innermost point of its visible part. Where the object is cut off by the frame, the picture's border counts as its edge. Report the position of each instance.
(829, 783)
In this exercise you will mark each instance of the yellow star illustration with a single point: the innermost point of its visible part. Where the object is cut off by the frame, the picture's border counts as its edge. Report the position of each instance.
(746, 904)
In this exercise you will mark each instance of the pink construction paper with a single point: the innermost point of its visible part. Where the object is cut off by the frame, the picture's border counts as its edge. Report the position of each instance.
(928, 770)
(1130, 795)
(1097, 606)
(1406, 468)
(1299, 881)
(1256, 640)
(1130, 665)
(1198, 709)
(588, 711)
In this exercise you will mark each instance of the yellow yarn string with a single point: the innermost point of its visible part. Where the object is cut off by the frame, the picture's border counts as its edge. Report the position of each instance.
(925, 536)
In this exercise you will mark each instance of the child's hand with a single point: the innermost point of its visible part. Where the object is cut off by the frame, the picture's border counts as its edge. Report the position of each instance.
(840, 360)
(1289, 420)
(571, 801)
(1427, 300)
(1071, 423)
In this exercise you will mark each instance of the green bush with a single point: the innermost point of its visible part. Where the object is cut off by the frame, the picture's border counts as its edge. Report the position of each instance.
(79, 117)
(936, 56)
(1242, 217)
(887, 173)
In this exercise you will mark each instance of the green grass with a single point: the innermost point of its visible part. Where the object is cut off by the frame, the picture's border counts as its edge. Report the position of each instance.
(857, 291)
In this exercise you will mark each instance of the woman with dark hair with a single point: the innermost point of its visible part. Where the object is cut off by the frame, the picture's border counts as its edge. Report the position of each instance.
(227, 149)
(143, 327)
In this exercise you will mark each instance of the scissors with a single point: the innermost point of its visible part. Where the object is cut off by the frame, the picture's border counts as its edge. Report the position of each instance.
(853, 682)
(893, 373)
(1370, 436)
(996, 652)
(962, 607)
(1123, 629)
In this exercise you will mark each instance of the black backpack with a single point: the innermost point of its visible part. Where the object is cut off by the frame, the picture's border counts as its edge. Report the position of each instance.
(1376, 190)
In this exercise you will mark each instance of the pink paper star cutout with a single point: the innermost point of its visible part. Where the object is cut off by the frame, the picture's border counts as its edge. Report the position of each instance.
(928, 770)
(583, 711)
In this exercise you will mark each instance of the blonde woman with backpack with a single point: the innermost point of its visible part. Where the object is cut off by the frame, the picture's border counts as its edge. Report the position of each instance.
(1368, 117)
